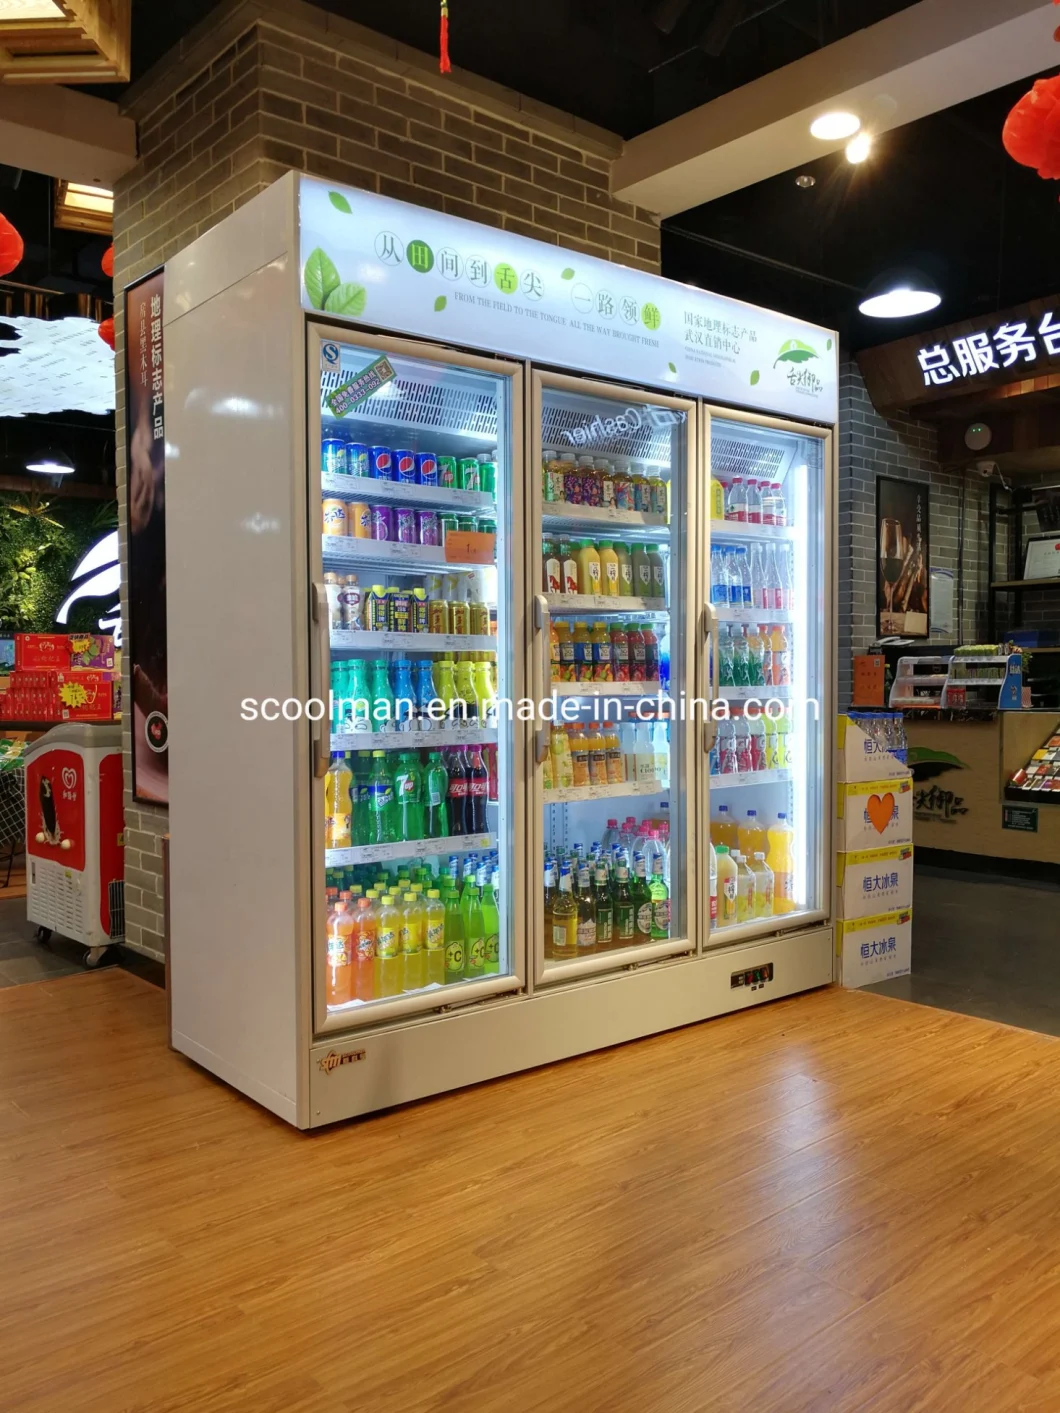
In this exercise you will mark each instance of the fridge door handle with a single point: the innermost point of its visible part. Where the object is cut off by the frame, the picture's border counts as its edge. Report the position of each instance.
(710, 641)
(543, 624)
(321, 730)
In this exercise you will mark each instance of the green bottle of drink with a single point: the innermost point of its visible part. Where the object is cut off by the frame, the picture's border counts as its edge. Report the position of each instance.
(436, 798)
(358, 698)
(660, 902)
(380, 802)
(454, 938)
(623, 928)
(474, 936)
(408, 796)
(641, 900)
(604, 907)
(381, 697)
(491, 923)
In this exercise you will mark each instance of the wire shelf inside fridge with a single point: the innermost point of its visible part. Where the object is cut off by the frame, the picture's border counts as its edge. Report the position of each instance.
(750, 452)
(421, 398)
(651, 442)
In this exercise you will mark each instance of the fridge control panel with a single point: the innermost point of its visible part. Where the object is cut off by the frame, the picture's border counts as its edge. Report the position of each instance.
(753, 977)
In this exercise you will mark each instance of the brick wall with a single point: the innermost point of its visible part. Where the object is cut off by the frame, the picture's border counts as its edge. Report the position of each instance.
(263, 87)
(871, 445)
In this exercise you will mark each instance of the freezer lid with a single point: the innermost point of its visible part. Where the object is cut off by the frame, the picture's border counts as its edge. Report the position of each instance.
(385, 263)
(97, 734)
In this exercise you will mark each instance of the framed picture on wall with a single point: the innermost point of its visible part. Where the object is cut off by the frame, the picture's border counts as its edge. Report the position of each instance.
(902, 558)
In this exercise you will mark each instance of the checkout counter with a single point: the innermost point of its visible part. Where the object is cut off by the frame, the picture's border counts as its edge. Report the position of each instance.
(985, 762)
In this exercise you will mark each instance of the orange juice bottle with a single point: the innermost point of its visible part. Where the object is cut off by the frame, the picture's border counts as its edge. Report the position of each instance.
(616, 761)
(579, 754)
(364, 949)
(752, 836)
(566, 651)
(603, 670)
(589, 571)
(724, 830)
(338, 803)
(610, 570)
(780, 657)
(780, 859)
(338, 983)
(594, 739)
(583, 653)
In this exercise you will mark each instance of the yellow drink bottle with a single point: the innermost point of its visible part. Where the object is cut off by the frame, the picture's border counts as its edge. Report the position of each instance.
(434, 922)
(780, 859)
(412, 949)
(388, 959)
(338, 804)
(589, 571)
(610, 570)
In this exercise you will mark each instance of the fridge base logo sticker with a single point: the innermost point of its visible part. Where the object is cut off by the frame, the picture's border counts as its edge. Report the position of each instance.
(335, 1059)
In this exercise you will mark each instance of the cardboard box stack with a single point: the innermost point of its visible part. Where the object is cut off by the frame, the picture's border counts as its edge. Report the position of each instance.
(874, 839)
(62, 677)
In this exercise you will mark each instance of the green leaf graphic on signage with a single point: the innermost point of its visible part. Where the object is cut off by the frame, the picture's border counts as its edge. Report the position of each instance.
(420, 256)
(651, 316)
(440, 303)
(340, 203)
(672, 367)
(794, 351)
(828, 346)
(347, 299)
(321, 277)
(568, 274)
(927, 755)
(755, 376)
(506, 279)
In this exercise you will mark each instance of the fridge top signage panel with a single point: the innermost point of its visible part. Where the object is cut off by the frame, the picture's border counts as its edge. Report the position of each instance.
(403, 268)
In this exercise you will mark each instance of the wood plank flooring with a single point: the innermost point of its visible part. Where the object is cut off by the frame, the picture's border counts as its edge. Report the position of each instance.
(840, 1203)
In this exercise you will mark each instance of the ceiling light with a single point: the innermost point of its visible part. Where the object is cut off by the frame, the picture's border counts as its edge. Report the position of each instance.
(899, 294)
(833, 127)
(805, 181)
(51, 463)
(858, 148)
(82, 207)
(12, 10)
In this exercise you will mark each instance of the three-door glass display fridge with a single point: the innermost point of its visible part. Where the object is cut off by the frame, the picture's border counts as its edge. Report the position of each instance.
(500, 652)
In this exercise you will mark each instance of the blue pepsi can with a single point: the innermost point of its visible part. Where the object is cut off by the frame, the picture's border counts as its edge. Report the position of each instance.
(332, 457)
(356, 459)
(381, 463)
(405, 467)
(426, 468)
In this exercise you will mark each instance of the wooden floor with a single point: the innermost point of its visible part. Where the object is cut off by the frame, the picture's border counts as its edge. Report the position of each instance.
(841, 1203)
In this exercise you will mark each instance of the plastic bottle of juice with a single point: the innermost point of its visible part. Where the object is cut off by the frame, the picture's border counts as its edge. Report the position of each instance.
(551, 570)
(717, 499)
(642, 576)
(780, 859)
(752, 838)
(592, 490)
(562, 762)
(364, 931)
(491, 922)
(780, 657)
(485, 696)
(660, 495)
(568, 568)
(745, 889)
(784, 742)
(727, 886)
(445, 683)
(610, 570)
(339, 974)
(413, 952)
(616, 761)
(381, 824)
(641, 488)
(594, 740)
(434, 937)
(589, 570)
(651, 653)
(619, 652)
(763, 885)
(338, 804)
(454, 936)
(756, 657)
(475, 927)
(658, 574)
(388, 959)
(579, 755)
(637, 653)
(623, 486)
(465, 686)
(583, 653)
(713, 887)
(625, 569)
(724, 829)
(566, 651)
(603, 669)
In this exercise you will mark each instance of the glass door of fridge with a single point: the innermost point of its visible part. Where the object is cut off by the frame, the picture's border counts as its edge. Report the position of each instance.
(613, 868)
(418, 843)
(769, 575)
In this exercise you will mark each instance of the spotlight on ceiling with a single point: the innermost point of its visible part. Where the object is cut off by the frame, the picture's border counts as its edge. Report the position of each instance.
(858, 148)
(805, 181)
(51, 463)
(833, 127)
(899, 294)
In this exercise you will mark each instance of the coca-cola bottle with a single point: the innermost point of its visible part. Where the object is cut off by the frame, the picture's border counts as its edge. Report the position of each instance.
(477, 790)
(458, 788)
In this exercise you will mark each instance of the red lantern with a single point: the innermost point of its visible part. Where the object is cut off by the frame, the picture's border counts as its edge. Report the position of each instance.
(11, 246)
(1032, 130)
(106, 331)
(108, 262)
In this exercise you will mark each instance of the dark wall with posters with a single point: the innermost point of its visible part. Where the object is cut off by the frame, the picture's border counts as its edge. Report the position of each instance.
(903, 540)
(146, 509)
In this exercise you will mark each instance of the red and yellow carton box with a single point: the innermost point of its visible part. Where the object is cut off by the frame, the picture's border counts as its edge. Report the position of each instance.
(86, 694)
(41, 650)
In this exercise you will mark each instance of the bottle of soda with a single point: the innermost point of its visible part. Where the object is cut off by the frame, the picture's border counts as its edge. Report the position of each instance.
(740, 658)
(660, 901)
(436, 798)
(641, 899)
(477, 792)
(474, 929)
(408, 796)
(603, 906)
(454, 937)
(458, 783)
(381, 828)
(724, 649)
(624, 924)
(491, 922)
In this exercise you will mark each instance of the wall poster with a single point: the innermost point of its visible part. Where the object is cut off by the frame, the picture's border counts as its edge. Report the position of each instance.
(902, 558)
(145, 433)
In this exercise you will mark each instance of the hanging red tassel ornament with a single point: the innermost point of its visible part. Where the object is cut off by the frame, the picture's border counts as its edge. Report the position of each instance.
(106, 332)
(1031, 135)
(108, 262)
(444, 65)
(11, 246)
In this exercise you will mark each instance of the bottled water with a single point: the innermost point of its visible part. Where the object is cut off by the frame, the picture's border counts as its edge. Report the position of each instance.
(726, 748)
(787, 577)
(753, 497)
(726, 676)
(736, 500)
(780, 509)
(773, 588)
(733, 582)
(744, 574)
(757, 571)
(742, 745)
(719, 584)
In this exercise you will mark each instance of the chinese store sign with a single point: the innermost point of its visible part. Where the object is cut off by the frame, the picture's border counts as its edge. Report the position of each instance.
(1008, 344)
